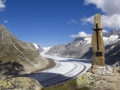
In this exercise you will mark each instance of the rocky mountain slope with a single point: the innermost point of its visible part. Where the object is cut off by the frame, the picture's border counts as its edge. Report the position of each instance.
(17, 57)
(81, 48)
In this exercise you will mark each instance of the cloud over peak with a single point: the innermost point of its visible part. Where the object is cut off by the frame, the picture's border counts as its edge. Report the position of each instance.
(104, 31)
(81, 34)
(2, 5)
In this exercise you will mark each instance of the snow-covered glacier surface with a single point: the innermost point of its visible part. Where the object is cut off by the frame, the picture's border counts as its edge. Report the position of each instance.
(65, 69)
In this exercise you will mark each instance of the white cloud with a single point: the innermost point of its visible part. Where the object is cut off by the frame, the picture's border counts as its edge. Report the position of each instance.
(86, 20)
(2, 5)
(111, 8)
(5, 21)
(104, 31)
(112, 21)
(81, 34)
(72, 21)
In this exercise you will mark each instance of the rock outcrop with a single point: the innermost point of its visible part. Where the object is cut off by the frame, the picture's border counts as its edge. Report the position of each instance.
(98, 82)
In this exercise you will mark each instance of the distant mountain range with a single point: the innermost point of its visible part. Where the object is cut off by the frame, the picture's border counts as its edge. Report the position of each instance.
(17, 57)
(81, 48)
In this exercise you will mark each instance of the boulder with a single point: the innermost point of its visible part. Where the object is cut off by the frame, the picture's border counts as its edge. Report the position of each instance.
(20, 83)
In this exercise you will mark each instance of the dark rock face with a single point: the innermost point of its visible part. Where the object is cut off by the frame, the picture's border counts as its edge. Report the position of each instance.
(11, 69)
(57, 50)
(16, 56)
(40, 49)
(113, 53)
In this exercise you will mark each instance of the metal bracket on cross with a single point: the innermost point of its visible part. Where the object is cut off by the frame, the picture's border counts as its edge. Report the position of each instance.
(98, 53)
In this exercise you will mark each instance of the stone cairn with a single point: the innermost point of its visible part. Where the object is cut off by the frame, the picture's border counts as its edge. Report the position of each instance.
(98, 57)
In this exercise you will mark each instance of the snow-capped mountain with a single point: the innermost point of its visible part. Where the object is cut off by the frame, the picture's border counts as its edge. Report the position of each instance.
(45, 49)
(38, 47)
(81, 47)
(113, 32)
(111, 40)
(75, 49)
(107, 38)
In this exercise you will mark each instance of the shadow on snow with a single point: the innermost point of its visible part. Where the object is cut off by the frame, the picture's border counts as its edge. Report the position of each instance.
(47, 78)
(77, 60)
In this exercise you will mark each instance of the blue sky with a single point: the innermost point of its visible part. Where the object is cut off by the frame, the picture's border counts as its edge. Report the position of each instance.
(53, 22)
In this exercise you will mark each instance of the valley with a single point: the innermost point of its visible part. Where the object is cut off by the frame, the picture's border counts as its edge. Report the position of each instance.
(65, 69)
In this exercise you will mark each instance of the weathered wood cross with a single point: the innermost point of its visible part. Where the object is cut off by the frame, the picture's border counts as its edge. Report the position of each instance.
(97, 42)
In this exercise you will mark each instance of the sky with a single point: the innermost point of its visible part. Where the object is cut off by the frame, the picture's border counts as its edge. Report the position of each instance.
(54, 22)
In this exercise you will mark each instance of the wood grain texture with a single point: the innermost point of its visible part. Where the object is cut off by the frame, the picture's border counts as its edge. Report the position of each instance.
(97, 41)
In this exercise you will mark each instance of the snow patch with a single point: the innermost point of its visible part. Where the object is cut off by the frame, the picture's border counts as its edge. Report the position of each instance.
(88, 40)
(113, 37)
(36, 45)
(110, 40)
(78, 44)
(107, 40)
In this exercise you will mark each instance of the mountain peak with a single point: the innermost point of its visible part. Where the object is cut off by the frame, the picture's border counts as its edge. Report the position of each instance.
(112, 32)
(6, 37)
(2, 27)
(115, 32)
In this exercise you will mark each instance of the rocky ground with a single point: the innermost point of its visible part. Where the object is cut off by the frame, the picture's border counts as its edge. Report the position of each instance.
(100, 82)
(22, 82)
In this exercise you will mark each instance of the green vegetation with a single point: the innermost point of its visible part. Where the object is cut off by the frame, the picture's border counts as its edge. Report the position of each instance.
(70, 85)
(81, 79)
(6, 84)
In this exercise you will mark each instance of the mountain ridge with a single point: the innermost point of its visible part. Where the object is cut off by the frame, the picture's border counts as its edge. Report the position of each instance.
(81, 47)
(15, 52)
